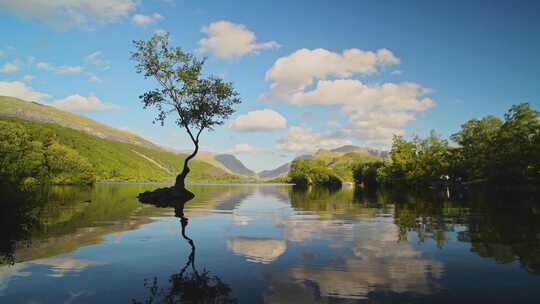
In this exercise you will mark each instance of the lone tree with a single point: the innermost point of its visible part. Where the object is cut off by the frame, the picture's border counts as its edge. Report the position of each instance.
(199, 103)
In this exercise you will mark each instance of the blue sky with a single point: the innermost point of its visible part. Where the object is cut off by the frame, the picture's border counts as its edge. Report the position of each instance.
(411, 66)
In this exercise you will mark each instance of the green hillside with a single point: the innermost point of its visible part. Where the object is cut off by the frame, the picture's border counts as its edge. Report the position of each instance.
(32, 111)
(342, 163)
(119, 161)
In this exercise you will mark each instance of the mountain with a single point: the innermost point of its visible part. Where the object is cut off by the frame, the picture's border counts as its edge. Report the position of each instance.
(352, 148)
(234, 165)
(33, 111)
(341, 160)
(114, 154)
(277, 172)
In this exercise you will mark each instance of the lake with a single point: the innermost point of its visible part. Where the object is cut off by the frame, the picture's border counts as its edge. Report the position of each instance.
(269, 244)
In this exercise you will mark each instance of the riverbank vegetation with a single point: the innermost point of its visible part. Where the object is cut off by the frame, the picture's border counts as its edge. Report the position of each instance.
(503, 153)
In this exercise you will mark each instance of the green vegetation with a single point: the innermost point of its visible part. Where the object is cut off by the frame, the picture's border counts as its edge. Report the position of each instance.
(27, 158)
(503, 153)
(34, 152)
(305, 172)
(32, 111)
(342, 163)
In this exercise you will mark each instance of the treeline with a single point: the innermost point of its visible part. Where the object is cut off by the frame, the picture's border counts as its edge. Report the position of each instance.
(488, 150)
(304, 172)
(28, 159)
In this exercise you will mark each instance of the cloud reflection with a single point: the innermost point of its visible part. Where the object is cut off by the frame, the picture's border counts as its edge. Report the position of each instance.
(257, 250)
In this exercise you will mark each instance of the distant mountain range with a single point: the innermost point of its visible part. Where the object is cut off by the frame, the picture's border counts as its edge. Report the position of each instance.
(234, 165)
(277, 172)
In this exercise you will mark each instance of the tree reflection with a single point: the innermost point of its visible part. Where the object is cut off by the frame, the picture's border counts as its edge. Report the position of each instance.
(500, 225)
(189, 285)
(17, 217)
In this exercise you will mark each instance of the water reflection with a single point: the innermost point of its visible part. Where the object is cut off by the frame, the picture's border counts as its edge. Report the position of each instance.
(271, 244)
(189, 285)
(258, 250)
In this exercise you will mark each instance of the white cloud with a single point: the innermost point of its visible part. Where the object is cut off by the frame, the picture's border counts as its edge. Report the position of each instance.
(69, 13)
(78, 103)
(226, 39)
(64, 69)
(21, 90)
(243, 149)
(43, 66)
(96, 58)
(74, 103)
(375, 112)
(68, 69)
(28, 78)
(10, 67)
(145, 20)
(293, 73)
(260, 120)
(301, 139)
(94, 79)
(397, 72)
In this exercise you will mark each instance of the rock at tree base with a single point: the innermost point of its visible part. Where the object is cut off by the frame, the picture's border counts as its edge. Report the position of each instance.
(166, 197)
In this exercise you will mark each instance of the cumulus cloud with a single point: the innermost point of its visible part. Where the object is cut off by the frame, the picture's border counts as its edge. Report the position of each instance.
(146, 20)
(243, 149)
(66, 14)
(10, 67)
(375, 112)
(296, 71)
(226, 39)
(78, 103)
(301, 139)
(260, 120)
(21, 90)
(64, 69)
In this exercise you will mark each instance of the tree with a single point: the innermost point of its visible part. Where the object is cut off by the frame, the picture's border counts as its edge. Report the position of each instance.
(200, 103)
(516, 157)
(476, 140)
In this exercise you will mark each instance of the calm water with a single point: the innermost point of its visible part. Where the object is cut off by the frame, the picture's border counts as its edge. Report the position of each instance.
(269, 244)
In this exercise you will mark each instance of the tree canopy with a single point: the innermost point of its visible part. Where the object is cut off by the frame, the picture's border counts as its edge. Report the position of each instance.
(199, 102)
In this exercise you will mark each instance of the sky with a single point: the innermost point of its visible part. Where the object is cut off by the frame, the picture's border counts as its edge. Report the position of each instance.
(311, 74)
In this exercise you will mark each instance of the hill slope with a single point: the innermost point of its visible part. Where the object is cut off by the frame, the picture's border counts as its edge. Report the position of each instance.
(118, 161)
(234, 165)
(277, 172)
(114, 154)
(340, 160)
(32, 111)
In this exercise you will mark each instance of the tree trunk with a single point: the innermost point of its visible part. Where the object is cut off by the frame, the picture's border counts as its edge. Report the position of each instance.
(180, 183)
